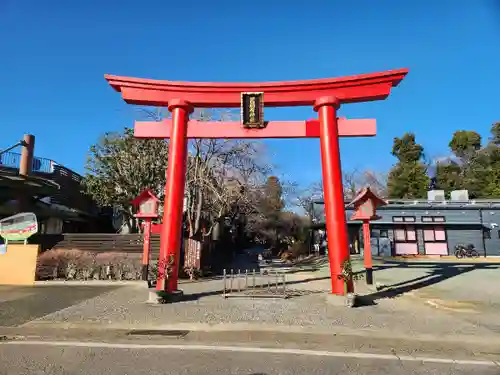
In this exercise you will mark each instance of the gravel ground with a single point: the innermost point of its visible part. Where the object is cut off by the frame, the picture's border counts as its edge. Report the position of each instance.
(476, 283)
(407, 314)
(404, 315)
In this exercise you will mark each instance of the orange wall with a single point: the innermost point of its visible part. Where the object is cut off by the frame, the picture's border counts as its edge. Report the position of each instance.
(18, 265)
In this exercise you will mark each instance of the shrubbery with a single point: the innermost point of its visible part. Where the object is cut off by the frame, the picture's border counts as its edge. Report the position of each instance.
(63, 264)
(295, 251)
(85, 265)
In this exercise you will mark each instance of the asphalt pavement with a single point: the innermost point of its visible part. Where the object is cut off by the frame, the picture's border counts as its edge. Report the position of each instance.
(21, 304)
(64, 357)
(44, 329)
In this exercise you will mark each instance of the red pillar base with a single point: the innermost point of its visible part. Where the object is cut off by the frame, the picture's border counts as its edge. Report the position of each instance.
(336, 227)
(157, 297)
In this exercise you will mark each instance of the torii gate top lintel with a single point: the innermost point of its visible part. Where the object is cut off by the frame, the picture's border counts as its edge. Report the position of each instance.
(351, 89)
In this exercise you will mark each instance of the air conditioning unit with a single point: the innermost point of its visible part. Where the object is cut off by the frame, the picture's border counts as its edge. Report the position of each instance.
(435, 195)
(460, 195)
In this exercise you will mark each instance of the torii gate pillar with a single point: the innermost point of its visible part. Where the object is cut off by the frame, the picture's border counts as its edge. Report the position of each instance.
(325, 95)
(333, 191)
(171, 229)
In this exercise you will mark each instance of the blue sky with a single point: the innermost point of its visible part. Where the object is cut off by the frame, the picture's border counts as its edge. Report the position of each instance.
(55, 53)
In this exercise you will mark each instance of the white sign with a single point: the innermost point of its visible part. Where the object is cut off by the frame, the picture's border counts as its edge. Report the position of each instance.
(18, 227)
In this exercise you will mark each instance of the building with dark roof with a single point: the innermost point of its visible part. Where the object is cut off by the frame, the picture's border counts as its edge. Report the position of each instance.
(52, 192)
(427, 227)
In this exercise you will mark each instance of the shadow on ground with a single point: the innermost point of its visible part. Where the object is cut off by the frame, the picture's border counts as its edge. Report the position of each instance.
(437, 272)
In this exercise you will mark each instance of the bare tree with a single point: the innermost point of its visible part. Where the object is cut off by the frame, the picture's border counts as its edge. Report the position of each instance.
(221, 180)
(222, 175)
(314, 192)
(377, 181)
(307, 196)
(353, 182)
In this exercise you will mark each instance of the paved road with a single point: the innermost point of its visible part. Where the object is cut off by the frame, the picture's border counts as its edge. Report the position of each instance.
(131, 358)
(20, 304)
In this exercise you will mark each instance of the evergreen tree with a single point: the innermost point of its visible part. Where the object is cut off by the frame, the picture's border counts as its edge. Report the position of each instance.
(408, 178)
(495, 134)
(448, 176)
(465, 143)
(120, 166)
(457, 173)
(267, 223)
(273, 196)
(491, 173)
(483, 173)
(475, 169)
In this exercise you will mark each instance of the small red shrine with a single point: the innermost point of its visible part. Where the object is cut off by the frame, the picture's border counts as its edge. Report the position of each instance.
(147, 203)
(365, 205)
(365, 209)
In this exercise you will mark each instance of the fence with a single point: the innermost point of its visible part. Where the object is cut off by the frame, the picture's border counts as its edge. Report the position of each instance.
(115, 243)
(13, 160)
(254, 284)
(96, 242)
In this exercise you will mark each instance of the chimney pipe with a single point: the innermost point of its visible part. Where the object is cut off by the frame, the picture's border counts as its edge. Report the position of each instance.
(26, 164)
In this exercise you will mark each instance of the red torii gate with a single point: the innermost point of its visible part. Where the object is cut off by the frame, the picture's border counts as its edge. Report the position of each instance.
(325, 95)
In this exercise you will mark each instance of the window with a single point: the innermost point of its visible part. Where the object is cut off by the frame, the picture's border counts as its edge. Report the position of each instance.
(486, 234)
(384, 233)
(498, 233)
(433, 219)
(405, 234)
(406, 219)
(411, 236)
(436, 234)
(400, 235)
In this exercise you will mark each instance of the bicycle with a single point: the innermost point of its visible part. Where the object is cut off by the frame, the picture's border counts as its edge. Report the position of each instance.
(463, 251)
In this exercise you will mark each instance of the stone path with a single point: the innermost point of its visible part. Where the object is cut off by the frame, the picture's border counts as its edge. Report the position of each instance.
(403, 310)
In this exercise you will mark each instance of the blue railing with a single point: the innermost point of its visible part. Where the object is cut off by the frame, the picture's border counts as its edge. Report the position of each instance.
(13, 160)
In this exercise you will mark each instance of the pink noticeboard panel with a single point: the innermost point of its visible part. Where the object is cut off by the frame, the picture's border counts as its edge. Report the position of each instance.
(406, 248)
(436, 248)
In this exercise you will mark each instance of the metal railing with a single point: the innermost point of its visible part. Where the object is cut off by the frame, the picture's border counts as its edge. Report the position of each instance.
(13, 160)
(252, 283)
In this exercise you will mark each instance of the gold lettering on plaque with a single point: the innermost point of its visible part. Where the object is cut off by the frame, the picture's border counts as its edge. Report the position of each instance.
(252, 109)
